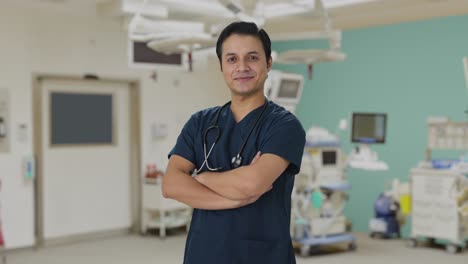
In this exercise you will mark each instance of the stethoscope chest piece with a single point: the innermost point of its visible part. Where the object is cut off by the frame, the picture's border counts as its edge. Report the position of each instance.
(236, 161)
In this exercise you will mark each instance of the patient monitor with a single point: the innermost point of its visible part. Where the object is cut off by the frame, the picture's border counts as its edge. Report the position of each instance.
(284, 88)
(323, 161)
(367, 129)
(328, 163)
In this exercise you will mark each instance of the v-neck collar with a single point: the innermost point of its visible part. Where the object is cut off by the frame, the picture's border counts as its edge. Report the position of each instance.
(252, 114)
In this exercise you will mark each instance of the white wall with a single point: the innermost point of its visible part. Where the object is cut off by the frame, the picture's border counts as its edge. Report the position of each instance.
(32, 43)
(188, 93)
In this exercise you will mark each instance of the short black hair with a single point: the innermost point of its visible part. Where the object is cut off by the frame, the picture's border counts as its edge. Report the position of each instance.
(243, 28)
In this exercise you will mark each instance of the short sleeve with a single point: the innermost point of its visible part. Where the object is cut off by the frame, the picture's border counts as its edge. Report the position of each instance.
(184, 146)
(286, 138)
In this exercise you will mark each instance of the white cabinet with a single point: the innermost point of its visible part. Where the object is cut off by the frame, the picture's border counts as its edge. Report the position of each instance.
(162, 213)
(435, 213)
(439, 189)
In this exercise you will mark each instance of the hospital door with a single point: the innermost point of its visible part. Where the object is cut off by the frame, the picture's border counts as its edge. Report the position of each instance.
(84, 155)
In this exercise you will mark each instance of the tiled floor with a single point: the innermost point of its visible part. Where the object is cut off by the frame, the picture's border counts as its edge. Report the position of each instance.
(151, 249)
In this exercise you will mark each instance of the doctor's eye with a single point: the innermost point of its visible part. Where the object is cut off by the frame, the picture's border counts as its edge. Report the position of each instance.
(231, 59)
(253, 57)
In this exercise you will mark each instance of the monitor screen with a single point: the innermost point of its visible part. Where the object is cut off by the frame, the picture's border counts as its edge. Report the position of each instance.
(289, 89)
(329, 157)
(284, 88)
(369, 128)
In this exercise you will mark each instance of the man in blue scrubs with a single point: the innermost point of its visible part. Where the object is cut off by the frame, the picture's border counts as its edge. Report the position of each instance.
(245, 155)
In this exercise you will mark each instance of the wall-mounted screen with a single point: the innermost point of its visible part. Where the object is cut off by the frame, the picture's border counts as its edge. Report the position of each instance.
(141, 56)
(81, 118)
(369, 128)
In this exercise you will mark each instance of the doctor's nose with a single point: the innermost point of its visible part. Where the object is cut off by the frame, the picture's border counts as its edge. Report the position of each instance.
(242, 66)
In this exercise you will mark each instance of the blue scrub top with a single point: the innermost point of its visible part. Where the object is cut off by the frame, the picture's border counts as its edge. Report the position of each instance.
(259, 232)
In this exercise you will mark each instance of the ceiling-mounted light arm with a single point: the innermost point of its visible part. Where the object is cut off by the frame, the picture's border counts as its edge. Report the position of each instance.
(232, 7)
(314, 56)
(239, 12)
(136, 19)
(150, 9)
(259, 14)
(141, 25)
(334, 39)
(320, 8)
(259, 10)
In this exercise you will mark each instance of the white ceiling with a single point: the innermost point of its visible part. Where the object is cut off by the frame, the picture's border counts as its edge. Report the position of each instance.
(79, 7)
(366, 14)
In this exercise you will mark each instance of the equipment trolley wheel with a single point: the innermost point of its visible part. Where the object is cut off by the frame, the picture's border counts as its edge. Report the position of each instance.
(412, 242)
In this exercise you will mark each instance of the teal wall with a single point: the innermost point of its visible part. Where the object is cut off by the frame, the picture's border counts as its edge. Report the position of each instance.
(410, 71)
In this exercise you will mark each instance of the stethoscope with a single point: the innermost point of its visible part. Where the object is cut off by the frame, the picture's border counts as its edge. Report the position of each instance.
(237, 159)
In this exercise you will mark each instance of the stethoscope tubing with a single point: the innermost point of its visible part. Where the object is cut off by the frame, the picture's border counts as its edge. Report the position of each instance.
(237, 159)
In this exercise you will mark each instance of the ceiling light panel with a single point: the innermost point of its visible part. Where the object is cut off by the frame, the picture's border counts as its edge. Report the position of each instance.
(333, 3)
(283, 9)
(208, 7)
(149, 9)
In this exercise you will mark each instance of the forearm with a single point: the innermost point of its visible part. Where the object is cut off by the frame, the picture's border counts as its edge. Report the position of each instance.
(234, 184)
(183, 188)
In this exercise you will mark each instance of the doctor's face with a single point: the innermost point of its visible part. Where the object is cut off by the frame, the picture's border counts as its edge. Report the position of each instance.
(244, 65)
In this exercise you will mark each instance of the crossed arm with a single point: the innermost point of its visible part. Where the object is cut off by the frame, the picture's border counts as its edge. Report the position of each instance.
(221, 190)
(246, 181)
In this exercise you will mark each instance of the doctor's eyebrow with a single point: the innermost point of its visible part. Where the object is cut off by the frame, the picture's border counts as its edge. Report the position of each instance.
(248, 53)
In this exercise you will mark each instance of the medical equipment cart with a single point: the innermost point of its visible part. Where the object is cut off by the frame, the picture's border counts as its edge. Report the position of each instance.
(440, 194)
(323, 230)
(435, 208)
(162, 213)
(319, 196)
